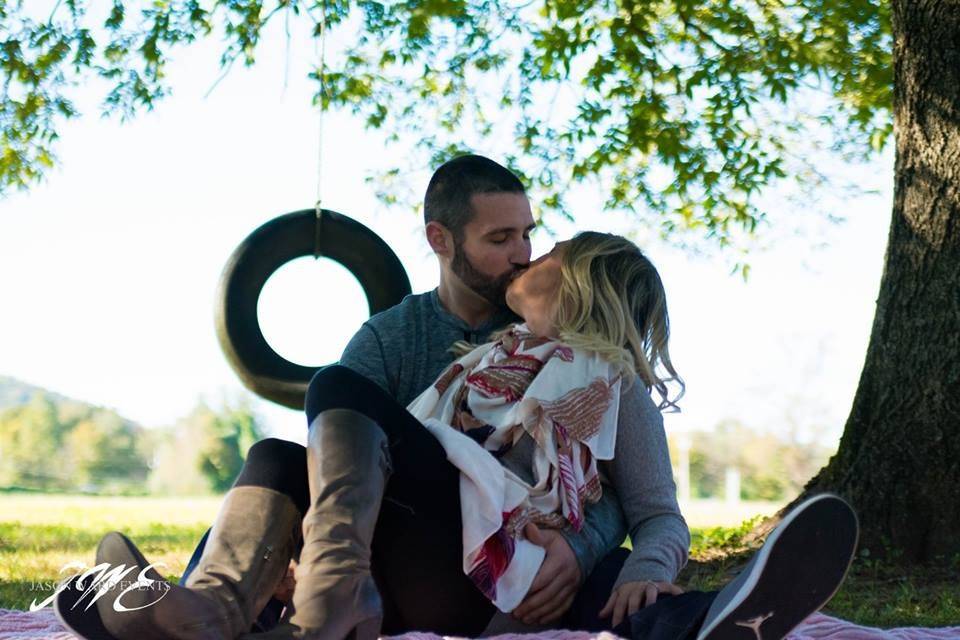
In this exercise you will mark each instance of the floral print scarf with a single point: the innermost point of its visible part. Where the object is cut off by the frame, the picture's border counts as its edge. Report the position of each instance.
(567, 401)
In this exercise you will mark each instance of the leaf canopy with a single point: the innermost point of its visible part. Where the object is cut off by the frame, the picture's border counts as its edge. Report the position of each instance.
(684, 110)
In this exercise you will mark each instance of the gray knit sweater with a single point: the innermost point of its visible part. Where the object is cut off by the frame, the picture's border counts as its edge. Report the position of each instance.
(405, 348)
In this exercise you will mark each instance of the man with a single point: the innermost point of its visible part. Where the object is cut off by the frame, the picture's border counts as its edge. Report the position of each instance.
(478, 222)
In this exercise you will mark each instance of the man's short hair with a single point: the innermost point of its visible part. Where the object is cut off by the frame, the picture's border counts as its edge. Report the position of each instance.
(448, 195)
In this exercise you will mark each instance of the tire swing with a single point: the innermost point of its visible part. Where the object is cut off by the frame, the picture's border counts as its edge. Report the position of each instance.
(317, 232)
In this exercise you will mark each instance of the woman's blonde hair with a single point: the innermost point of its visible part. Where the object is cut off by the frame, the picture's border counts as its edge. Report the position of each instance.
(611, 301)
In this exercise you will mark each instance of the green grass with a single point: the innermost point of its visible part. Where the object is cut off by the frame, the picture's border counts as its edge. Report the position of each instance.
(875, 593)
(39, 534)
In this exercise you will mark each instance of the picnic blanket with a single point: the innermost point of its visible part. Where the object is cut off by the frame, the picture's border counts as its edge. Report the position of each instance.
(43, 625)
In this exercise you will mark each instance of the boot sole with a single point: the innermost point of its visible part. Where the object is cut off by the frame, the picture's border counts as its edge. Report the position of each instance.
(83, 618)
(72, 614)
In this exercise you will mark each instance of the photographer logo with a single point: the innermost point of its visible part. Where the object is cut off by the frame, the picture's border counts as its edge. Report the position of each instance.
(98, 581)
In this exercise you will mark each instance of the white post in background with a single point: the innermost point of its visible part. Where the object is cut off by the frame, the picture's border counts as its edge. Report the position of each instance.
(732, 486)
(683, 473)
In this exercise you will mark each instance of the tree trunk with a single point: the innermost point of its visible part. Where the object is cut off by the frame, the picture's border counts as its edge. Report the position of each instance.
(899, 458)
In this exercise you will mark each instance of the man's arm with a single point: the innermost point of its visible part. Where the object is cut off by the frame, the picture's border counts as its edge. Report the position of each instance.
(364, 354)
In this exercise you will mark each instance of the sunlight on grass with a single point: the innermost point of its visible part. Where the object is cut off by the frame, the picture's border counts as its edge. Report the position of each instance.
(874, 593)
(39, 534)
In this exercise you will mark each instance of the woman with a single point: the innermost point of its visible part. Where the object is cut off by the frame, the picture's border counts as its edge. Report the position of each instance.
(595, 321)
(403, 530)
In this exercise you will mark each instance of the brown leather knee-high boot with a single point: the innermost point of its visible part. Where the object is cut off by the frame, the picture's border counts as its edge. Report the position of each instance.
(246, 555)
(335, 597)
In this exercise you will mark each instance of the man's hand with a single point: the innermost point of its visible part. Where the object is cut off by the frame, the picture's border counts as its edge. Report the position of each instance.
(630, 596)
(556, 584)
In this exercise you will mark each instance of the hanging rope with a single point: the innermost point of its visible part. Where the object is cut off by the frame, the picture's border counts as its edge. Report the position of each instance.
(319, 206)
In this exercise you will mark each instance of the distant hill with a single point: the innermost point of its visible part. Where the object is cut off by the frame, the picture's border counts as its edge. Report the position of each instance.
(55, 443)
(14, 392)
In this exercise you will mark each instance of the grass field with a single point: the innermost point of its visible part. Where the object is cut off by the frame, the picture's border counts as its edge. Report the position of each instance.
(39, 534)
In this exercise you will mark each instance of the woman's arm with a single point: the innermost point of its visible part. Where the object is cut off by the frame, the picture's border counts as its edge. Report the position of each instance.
(643, 479)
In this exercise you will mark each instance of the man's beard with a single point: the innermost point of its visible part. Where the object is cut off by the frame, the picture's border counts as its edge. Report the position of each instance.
(491, 289)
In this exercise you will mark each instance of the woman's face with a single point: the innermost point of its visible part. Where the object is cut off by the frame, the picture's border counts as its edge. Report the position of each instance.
(532, 294)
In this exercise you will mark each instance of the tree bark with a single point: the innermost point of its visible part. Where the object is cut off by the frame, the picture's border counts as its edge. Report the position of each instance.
(899, 457)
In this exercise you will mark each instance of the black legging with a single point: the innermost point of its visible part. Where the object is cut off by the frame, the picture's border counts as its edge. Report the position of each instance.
(279, 465)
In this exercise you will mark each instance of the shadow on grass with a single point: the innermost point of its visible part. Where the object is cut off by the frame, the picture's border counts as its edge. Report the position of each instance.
(875, 593)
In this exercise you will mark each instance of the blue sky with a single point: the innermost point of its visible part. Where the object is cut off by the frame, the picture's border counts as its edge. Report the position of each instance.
(111, 265)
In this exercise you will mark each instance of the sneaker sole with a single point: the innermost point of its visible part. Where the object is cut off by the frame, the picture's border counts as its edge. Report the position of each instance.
(760, 611)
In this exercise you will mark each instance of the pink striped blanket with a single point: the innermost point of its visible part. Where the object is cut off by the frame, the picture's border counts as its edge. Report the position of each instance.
(43, 625)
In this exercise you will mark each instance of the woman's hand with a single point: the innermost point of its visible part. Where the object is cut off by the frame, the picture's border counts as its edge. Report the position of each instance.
(630, 596)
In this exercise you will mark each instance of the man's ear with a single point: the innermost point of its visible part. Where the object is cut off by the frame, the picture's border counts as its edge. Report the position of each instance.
(440, 239)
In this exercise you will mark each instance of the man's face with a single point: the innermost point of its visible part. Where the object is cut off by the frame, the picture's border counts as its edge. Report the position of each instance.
(495, 244)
